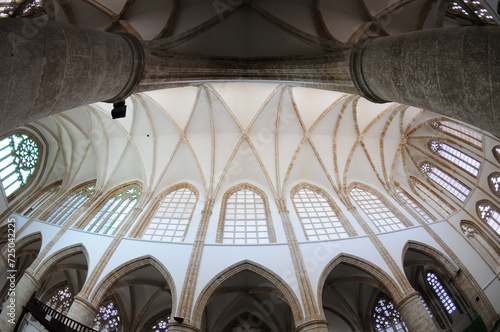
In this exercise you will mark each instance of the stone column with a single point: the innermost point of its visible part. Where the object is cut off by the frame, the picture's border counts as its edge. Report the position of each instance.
(415, 315)
(50, 67)
(313, 326)
(82, 311)
(11, 310)
(178, 327)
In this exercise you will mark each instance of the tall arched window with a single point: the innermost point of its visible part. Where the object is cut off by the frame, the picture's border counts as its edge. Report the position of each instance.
(19, 155)
(431, 198)
(460, 132)
(108, 318)
(457, 157)
(441, 292)
(488, 250)
(160, 325)
(113, 212)
(171, 219)
(244, 218)
(452, 185)
(71, 204)
(494, 183)
(386, 318)
(43, 198)
(413, 204)
(61, 299)
(318, 219)
(382, 216)
(490, 214)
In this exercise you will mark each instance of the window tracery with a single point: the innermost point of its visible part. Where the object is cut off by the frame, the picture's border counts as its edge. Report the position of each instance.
(113, 212)
(318, 219)
(490, 214)
(486, 249)
(382, 217)
(61, 300)
(17, 8)
(70, 205)
(457, 157)
(460, 132)
(171, 219)
(467, 8)
(413, 204)
(494, 183)
(452, 185)
(441, 292)
(19, 156)
(160, 325)
(108, 318)
(429, 196)
(245, 219)
(387, 318)
(47, 194)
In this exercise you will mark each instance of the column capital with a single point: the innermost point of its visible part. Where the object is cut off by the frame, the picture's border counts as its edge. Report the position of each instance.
(314, 325)
(181, 327)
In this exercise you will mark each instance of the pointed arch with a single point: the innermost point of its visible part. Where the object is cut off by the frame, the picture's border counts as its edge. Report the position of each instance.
(391, 287)
(41, 199)
(182, 200)
(48, 263)
(337, 226)
(266, 210)
(29, 239)
(449, 267)
(247, 265)
(100, 291)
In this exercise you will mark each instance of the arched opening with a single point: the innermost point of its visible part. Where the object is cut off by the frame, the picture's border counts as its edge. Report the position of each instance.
(445, 302)
(138, 292)
(249, 297)
(351, 292)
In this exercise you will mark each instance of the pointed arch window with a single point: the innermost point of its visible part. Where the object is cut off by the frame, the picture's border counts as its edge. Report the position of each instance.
(386, 317)
(160, 325)
(245, 219)
(494, 183)
(486, 249)
(108, 318)
(61, 299)
(429, 196)
(19, 154)
(413, 204)
(441, 292)
(457, 157)
(71, 204)
(113, 212)
(171, 220)
(382, 216)
(460, 132)
(47, 194)
(319, 221)
(452, 185)
(490, 214)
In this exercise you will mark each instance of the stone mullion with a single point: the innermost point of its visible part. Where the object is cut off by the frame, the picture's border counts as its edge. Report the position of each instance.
(185, 307)
(386, 256)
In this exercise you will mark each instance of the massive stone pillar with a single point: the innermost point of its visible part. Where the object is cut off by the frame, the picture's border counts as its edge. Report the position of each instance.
(415, 315)
(50, 67)
(454, 72)
(82, 311)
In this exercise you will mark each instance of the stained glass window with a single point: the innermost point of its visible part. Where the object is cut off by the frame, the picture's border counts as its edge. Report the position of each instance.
(490, 214)
(441, 292)
(471, 10)
(19, 8)
(494, 182)
(61, 300)
(160, 325)
(113, 212)
(317, 216)
(18, 160)
(383, 218)
(452, 185)
(462, 133)
(387, 318)
(70, 205)
(107, 319)
(47, 194)
(245, 219)
(171, 219)
(457, 157)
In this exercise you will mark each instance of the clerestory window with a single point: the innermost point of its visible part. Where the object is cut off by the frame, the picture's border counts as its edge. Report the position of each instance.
(457, 157)
(452, 185)
(71, 204)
